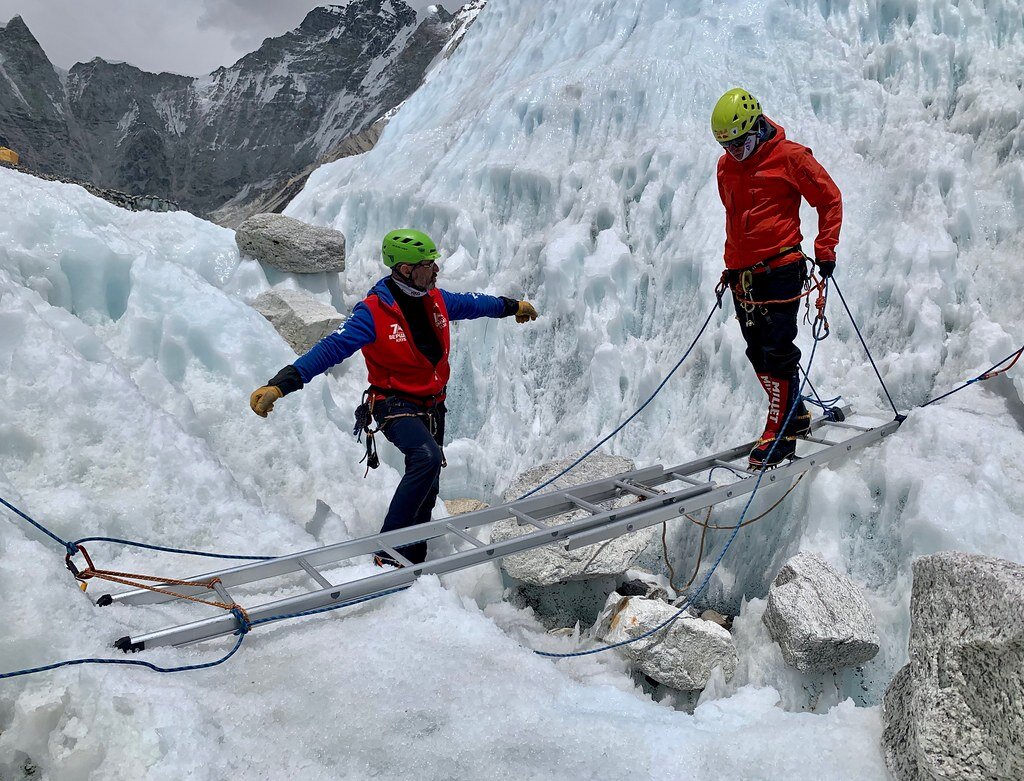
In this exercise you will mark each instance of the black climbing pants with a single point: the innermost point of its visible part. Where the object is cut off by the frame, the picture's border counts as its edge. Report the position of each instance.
(419, 436)
(770, 331)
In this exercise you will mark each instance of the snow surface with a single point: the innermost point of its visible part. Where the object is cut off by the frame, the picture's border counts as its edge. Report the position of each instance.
(562, 154)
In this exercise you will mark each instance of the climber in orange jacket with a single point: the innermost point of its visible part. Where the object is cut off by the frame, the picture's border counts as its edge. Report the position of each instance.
(762, 177)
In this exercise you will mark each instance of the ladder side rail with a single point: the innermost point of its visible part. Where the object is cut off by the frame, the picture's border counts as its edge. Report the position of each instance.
(539, 507)
(732, 490)
(707, 462)
(373, 584)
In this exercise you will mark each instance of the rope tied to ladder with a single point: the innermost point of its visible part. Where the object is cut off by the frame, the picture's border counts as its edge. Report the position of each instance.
(993, 371)
(136, 580)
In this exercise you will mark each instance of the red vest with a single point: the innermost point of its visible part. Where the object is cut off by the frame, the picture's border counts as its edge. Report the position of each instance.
(392, 360)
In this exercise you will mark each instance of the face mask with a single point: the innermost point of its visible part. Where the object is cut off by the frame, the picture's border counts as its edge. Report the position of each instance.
(742, 148)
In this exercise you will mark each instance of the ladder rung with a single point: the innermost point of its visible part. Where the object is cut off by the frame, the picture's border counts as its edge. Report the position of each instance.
(467, 537)
(222, 592)
(593, 509)
(523, 518)
(314, 573)
(734, 468)
(819, 441)
(844, 424)
(636, 489)
(397, 556)
(688, 479)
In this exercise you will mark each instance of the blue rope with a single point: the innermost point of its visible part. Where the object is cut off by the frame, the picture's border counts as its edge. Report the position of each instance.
(718, 305)
(735, 531)
(979, 378)
(174, 550)
(244, 625)
(866, 350)
(72, 547)
(243, 629)
(329, 608)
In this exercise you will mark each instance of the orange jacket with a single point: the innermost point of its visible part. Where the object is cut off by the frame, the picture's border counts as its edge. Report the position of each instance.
(762, 202)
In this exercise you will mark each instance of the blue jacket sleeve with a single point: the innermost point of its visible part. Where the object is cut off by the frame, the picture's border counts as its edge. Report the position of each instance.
(469, 306)
(355, 333)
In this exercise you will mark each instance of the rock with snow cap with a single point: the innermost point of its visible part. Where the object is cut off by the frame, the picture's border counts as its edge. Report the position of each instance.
(463, 506)
(682, 655)
(291, 245)
(301, 319)
(819, 618)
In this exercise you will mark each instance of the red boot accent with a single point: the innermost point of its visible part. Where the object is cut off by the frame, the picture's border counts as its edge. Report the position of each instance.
(778, 390)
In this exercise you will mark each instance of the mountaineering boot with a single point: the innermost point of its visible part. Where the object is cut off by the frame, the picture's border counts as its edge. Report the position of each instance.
(774, 446)
(800, 423)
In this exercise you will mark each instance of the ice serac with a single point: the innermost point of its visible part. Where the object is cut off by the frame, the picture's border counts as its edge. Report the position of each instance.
(300, 318)
(553, 563)
(819, 618)
(291, 245)
(682, 655)
(956, 709)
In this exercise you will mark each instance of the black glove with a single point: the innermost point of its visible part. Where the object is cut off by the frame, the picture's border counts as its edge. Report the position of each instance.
(826, 267)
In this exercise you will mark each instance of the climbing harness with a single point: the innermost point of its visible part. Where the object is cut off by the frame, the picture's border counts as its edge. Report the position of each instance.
(742, 282)
(364, 419)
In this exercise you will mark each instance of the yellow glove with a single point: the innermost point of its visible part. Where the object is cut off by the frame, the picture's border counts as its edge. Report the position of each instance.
(262, 399)
(525, 312)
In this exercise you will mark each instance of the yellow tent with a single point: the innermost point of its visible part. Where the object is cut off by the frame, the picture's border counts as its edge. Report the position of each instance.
(8, 156)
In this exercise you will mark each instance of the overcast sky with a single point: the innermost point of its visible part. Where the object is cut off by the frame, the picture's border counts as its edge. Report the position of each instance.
(192, 37)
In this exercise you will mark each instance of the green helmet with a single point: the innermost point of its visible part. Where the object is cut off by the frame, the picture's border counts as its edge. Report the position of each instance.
(734, 115)
(407, 246)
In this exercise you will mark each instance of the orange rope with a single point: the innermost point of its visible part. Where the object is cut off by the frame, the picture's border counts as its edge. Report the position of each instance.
(706, 525)
(990, 375)
(134, 580)
(816, 285)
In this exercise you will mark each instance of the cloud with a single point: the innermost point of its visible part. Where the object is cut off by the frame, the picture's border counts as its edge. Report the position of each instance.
(249, 22)
(193, 37)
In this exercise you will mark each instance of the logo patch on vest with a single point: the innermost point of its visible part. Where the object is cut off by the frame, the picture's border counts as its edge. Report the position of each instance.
(439, 320)
(397, 334)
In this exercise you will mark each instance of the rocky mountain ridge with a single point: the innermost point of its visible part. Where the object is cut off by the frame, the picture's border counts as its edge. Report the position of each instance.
(235, 135)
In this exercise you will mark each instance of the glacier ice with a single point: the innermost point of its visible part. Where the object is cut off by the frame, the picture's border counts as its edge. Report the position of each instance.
(561, 154)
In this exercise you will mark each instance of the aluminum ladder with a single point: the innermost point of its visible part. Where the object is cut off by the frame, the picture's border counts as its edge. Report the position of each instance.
(686, 492)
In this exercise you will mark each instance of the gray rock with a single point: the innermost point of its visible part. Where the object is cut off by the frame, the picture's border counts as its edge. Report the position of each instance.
(291, 245)
(819, 618)
(956, 709)
(463, 506)
(642, 584)
(298, 317)
(553, 563)
(682, 656)
(713, 615)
